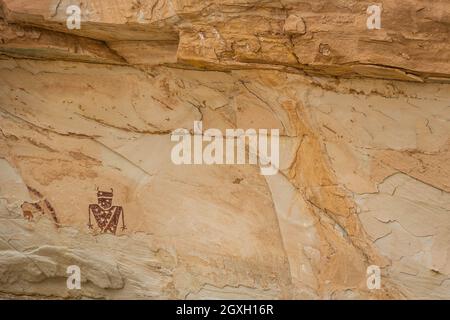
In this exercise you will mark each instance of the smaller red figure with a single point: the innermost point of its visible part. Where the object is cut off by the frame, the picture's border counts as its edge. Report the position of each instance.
(106, 215)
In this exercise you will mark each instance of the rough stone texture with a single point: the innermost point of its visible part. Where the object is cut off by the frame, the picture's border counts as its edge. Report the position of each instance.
(365, 162)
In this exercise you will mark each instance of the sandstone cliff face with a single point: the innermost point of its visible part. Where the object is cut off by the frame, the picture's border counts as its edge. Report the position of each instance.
(364, 120)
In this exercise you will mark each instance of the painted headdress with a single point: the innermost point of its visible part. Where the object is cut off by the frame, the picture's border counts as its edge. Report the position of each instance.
(104, 194)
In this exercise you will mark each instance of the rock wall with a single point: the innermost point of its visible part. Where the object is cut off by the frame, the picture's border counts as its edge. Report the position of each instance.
(364, 122)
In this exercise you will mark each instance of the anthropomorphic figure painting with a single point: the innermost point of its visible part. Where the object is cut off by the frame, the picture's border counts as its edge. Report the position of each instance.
(106, 215)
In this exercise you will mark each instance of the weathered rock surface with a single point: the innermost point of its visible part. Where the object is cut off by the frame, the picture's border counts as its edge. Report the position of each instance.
(365, 163)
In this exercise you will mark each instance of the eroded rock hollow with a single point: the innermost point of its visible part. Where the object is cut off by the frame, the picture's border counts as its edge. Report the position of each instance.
(87, 114)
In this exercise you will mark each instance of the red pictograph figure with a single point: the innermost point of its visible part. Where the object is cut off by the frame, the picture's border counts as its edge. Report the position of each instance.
(106, 215)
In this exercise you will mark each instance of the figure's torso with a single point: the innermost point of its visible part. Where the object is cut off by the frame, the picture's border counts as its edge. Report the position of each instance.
(108, 219)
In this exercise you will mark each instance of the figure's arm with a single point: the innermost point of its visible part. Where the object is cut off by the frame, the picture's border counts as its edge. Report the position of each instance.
(123, 219)
(90, 224)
